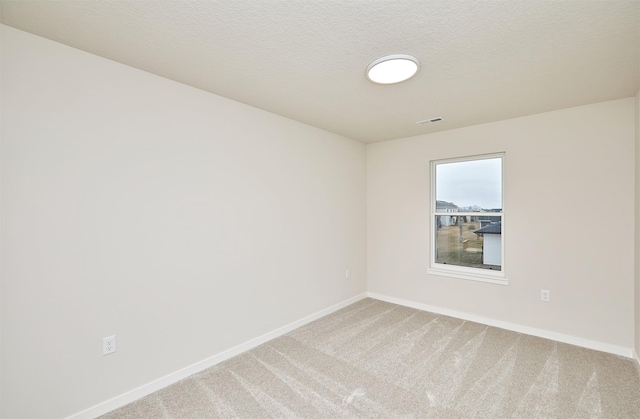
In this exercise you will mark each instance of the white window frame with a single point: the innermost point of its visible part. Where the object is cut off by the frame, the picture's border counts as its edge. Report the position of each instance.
(464, 272)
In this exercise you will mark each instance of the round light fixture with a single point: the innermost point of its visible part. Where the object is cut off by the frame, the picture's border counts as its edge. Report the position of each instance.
(393, 69)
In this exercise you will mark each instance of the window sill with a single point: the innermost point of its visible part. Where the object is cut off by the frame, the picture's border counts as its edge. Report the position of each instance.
(492, 277)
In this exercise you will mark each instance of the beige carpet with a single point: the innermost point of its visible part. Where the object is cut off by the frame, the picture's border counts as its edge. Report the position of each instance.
(375, 359)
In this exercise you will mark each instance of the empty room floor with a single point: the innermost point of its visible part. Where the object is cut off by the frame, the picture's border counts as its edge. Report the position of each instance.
(377, 359)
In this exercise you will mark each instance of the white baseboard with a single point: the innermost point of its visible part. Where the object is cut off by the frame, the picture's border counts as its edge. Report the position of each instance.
(559, 337)
(135, 394)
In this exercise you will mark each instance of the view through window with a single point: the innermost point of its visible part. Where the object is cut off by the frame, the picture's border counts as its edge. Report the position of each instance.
(467, 213)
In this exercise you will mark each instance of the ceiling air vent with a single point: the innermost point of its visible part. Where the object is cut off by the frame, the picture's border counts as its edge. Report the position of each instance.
(429, 121)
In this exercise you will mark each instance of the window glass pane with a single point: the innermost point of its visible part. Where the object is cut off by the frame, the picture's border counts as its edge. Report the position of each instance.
(472, 241)
(469, 186)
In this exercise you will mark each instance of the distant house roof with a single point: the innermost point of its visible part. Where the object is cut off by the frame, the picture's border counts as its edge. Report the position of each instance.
(445, 205)
(493, 228)
(491, 218)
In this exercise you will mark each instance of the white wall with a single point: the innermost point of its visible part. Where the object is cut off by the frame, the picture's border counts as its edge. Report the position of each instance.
(637, 230)
(492, 246)
(563, 171)
(182, 222)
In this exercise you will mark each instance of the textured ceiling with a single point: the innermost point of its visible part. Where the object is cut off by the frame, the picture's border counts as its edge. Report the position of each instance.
(481, 61)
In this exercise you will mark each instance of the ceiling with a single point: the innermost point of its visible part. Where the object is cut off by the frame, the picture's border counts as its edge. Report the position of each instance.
(481, 61)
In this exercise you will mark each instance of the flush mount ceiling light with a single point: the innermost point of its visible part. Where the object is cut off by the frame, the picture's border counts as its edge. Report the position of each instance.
(393, 68)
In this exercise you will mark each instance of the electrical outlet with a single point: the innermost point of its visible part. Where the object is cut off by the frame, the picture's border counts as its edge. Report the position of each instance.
(347, 273)
(545, 295)
(108, 345)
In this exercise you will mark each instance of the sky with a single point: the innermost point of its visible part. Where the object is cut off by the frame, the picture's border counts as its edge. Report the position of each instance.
(467, 183)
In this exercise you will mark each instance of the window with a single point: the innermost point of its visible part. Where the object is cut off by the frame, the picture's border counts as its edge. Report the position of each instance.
(467, 229)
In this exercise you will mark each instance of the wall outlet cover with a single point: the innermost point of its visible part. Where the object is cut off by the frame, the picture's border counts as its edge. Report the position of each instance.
(108, 345)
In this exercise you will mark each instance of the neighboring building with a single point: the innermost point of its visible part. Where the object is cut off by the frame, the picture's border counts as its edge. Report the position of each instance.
(489, 219)
(492, 246)
(472, 208)
(446, 220)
